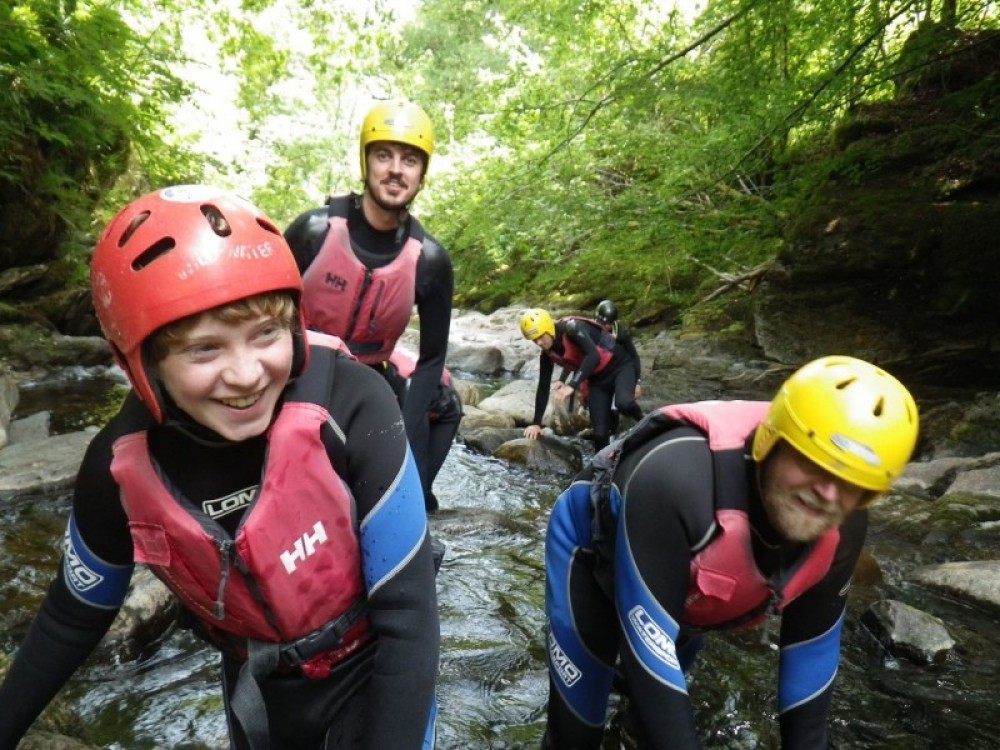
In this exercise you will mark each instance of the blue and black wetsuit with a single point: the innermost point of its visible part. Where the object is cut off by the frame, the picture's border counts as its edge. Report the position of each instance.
(620, 597)
(379, 697)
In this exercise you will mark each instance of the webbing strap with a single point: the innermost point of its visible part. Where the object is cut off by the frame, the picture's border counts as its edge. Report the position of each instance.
(247, 700)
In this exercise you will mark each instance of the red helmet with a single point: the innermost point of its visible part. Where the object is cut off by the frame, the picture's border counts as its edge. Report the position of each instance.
(178, 252)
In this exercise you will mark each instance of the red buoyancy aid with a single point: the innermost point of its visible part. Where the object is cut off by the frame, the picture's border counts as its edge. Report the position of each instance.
(294, 567)
(405, 363)
(368, 309)
(725, 587)
(725, 584)
(572, 356)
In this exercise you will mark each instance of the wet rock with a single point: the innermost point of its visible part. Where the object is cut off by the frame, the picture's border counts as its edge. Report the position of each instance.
(929, 479)
(8, 401)
(516, 400)
(32, 348)
(149, 612)
(976, 581)
(42, 466)
(33, 427)
(488, 438)
(980, 482)
(476, 360)
(468, 392)
(907, 631)
(547, 455)
(475, 419)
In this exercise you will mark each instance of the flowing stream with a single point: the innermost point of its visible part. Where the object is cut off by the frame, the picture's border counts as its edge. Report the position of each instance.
(492, 684)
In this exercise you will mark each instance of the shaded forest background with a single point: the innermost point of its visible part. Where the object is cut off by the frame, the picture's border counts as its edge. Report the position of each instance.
(584, 148)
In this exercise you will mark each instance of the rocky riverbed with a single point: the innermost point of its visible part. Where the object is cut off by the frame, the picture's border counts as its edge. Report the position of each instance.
(932, 553)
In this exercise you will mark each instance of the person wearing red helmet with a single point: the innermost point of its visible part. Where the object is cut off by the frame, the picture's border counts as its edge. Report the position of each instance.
(262, 474)
(366, 261)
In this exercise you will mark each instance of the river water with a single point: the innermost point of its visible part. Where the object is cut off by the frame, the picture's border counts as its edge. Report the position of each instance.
(492, 684)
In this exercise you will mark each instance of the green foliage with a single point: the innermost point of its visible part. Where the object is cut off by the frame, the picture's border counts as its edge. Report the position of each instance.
(622, 152)
(584, 148)
(85, 95)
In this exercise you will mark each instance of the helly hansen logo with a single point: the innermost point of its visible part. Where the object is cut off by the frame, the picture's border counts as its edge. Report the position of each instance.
(652, 635)
(338, 283)
(568, 672)
(303, 548)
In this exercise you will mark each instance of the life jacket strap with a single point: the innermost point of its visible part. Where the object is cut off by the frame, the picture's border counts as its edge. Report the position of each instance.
(247, 700)
(326, 638)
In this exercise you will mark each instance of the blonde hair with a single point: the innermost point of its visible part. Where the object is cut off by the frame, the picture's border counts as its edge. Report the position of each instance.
(277, 305)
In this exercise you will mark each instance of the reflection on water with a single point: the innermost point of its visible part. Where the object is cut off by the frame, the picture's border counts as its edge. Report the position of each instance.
(492, 683)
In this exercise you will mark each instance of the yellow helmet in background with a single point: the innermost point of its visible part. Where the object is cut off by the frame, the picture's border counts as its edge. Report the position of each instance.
(536, 323)
(399, 122)
(851, 418)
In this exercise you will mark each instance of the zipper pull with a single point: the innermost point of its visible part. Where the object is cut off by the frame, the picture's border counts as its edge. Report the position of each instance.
(771, 618)
(225, 546)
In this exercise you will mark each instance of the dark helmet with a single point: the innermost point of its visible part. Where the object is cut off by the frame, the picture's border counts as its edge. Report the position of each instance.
(607, 313)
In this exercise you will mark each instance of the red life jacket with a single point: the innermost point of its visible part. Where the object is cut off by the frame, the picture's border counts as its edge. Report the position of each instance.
(726, 590)
(368, 309)
(293, 569)
(572, 356)
(405, 363)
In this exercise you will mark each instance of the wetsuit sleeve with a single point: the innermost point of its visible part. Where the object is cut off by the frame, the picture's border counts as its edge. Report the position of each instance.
(396, 559)
(79, 607)
(434, 288)
(583, 335)
(62, 636)
(810, 646)
(545, 368)
(652, 563)
(305, 236)
(626, 342)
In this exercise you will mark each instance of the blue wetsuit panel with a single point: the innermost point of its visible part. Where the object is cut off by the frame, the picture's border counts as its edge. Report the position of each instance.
(395, 527)
(89, 578)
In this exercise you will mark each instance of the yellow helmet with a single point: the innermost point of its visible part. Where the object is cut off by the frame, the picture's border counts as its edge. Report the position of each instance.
(851, 418)
(536, 323)
(399, 122)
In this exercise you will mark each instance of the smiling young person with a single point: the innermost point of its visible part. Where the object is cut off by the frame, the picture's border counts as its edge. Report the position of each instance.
(263, 475)
(366, 261)
(716, 516)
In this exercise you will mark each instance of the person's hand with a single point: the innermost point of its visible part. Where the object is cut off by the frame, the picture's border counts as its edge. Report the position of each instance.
(532, 431)
(638, 391)
(562, 393)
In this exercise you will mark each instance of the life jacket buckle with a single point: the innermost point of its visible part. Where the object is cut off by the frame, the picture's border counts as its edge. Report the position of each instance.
(326, 638)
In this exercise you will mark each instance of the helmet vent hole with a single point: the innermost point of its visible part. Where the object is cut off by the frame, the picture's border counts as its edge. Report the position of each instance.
(879, 408)
(162, 247)
(844, 384)
(137, 222)
(268, 226)
(217, 221)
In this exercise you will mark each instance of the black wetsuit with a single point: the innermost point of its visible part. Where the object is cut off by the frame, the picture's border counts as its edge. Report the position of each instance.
(623, 336)
(433, 297)
(615, 383)
(380, 697)
(662, 512)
